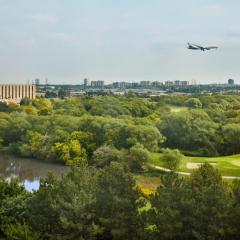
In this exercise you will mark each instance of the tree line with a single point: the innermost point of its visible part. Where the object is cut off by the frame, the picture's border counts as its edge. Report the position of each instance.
(73, 129)
(89, 203)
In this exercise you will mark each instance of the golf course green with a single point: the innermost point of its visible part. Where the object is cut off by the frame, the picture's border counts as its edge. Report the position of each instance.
(227, 165)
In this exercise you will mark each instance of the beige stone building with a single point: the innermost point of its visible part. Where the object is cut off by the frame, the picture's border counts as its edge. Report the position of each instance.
(17, 91)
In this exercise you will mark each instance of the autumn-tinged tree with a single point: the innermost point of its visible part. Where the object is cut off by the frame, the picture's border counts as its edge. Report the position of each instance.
(69, 152)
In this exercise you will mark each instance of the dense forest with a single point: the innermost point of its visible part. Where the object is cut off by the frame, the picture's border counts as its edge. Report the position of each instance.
(73, 129)
(89, 203)
(107, 139)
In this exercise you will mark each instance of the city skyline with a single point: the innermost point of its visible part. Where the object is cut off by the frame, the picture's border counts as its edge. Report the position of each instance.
(118, 41)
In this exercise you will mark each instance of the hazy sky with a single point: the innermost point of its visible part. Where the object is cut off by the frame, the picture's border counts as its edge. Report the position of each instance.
(118, 40)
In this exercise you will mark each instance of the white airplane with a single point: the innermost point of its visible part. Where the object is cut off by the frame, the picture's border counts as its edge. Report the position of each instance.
(197, 47)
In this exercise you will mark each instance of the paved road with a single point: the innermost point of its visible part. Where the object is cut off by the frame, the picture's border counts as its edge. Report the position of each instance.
(187, 173)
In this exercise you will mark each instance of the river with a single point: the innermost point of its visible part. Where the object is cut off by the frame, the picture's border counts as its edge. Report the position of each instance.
(29, 171)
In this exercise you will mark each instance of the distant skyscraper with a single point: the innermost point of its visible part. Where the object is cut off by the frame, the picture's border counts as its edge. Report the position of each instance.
(193, 82)
(145, 84)
(121, 85)
(86, 82)
(177, 82)
(37, 81)
(230, 82)
(97, 84)
(168, 83)
(184, 83)
(156, 84)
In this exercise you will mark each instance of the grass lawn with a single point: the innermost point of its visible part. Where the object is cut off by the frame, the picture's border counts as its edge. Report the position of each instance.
(227, 165)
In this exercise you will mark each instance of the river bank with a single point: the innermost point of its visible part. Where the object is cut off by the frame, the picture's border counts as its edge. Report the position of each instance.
(28, 170)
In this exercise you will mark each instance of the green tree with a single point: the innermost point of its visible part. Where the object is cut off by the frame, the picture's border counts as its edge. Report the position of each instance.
(118, 203)
(171, 210)
(197, 208)
(234, 213)
(171, 158)
(104, 155)
(66, 208)
(36, 145)
(231, 138)
(43, 105)
(212, 204)
(86, 139)
(137, 158)
(19, 231)
(12, 208)
(25, 101)
(4, 107)
(69, 152)
(15, 129)
(191, 131)
(194, 103)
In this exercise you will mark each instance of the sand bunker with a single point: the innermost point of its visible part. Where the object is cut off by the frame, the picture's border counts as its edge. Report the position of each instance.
(197, 165)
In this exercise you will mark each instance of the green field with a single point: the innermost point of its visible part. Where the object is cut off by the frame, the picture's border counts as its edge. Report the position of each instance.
(227, 165)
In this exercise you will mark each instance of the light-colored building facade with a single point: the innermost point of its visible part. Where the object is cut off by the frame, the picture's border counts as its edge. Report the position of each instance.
(97, 84)
(168, 83)
(17, 91)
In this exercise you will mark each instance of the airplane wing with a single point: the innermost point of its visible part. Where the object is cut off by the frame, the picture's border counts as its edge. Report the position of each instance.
(211, 47)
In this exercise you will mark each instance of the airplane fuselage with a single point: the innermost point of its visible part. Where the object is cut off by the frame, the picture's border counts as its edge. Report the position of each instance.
(193, 48)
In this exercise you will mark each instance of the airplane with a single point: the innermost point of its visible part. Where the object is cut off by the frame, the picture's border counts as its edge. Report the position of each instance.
(197, 47)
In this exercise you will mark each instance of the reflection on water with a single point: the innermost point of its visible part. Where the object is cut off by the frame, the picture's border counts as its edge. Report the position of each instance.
(29, 171)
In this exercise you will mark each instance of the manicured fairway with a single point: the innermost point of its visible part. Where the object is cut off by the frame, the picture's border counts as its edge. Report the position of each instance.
(227, 165)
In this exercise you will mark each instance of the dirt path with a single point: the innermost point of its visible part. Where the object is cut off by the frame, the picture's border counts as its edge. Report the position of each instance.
(187, 173)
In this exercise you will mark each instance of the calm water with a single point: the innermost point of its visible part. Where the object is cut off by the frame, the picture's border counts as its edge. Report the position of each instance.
(29, 171)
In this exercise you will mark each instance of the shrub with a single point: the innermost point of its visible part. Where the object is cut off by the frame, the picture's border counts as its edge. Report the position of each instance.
(172, 158)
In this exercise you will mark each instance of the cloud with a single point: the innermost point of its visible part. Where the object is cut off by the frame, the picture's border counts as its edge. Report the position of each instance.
(210, 11)
(43, 18)
(61, 36)
(234, 32)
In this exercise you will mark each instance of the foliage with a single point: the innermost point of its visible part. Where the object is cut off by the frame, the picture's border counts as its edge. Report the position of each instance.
(194, 103)
(192, 130)
(171, 158)
(137, 157)
(231, 136)
(68, 152)
(25, 101)
(106, 204)
(104, 155)
(188, 209)
(118, 201)
(43, 105)
(63, 209)
(208, 127)
(87, 205)
(114, 135)
(19, 231)
(12, 205)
